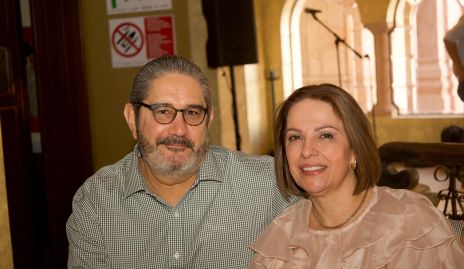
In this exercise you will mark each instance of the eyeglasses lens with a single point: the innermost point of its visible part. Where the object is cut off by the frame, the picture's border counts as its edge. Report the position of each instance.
(192, 115)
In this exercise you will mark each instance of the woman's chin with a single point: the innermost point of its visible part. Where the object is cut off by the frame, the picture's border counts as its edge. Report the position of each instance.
(315, 190)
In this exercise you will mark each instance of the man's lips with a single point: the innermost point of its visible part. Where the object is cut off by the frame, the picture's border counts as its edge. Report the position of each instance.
(175, 142)
(176, 145)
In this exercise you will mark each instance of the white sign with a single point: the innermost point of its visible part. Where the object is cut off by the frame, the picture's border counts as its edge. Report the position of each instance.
(134, 41)
(131, 6)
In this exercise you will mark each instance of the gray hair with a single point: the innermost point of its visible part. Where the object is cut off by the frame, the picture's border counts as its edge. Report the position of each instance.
(164, 65)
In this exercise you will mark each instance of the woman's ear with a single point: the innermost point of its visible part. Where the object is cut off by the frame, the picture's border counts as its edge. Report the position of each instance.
(129, 114)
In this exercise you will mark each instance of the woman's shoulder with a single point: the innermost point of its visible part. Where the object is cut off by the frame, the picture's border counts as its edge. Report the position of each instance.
(406, 204)
(283, 228)
(402, 220)
(292, 220)
(400, 214)
(400, 208)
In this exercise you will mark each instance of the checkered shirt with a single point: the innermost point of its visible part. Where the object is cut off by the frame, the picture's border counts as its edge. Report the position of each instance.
(117, 223)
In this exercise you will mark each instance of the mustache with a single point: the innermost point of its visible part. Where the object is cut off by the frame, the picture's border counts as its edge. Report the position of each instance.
(175, 140)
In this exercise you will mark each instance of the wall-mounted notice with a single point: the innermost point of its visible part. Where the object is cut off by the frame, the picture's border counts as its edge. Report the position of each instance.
(131, 6)
(134, 41)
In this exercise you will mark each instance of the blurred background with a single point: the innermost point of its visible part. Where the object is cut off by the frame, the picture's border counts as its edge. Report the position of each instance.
(66, 69)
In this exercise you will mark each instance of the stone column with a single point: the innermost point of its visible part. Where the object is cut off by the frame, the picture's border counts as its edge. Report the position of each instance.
(384, 105)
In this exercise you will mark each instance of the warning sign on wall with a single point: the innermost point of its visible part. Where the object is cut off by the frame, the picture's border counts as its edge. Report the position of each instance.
(134, 41)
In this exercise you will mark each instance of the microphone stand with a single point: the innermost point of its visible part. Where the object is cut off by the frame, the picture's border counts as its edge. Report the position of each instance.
(271, 75)
(238, 140)
(338, 40)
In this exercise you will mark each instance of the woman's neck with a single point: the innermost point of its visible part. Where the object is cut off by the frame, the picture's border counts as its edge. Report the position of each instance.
(336, 211)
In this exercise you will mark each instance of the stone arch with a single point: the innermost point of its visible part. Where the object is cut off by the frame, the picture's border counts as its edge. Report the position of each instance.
(422, 79)
(309, 49)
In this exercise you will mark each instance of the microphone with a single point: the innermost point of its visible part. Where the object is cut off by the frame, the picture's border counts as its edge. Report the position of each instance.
(312, 11)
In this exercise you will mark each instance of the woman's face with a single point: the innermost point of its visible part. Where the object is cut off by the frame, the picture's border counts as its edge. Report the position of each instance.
(317, 148)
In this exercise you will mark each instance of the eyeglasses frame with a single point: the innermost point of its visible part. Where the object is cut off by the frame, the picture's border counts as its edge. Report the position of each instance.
(153, 107)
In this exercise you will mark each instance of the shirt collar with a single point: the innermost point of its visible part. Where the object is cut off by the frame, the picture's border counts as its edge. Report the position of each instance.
(210, 168)
(133, 174)
(208, 171)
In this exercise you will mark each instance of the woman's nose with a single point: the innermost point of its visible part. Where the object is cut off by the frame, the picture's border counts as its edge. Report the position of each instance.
(309, 148)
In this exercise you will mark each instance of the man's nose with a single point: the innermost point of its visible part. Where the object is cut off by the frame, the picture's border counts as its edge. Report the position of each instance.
(178, 125)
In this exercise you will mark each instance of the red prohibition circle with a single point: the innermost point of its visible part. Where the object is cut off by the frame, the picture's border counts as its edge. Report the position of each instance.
(125, 37)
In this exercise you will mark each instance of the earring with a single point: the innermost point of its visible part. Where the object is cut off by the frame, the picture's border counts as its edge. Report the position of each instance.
(354, 165)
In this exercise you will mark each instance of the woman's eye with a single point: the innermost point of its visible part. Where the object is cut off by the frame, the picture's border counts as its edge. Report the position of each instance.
(293, 138)
(326, 136)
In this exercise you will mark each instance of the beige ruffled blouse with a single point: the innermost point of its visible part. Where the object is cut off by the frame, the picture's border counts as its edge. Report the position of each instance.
(399, 229)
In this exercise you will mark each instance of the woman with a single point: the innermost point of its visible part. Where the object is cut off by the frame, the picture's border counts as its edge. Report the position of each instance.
(325, 152)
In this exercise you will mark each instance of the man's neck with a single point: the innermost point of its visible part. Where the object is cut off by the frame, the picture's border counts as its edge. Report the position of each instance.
(170, 189)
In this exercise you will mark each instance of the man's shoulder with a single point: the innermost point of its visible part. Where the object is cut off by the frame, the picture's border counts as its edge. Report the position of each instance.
(109, 178)
(241, 157)
(241, 167)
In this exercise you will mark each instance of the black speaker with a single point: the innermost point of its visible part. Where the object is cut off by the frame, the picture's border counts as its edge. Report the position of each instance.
(231, 32)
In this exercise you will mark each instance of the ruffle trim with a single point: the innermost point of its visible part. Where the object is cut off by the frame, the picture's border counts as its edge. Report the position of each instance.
(402, 220)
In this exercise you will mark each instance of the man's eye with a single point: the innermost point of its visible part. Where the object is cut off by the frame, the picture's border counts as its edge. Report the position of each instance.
(163, 111)
(193, 112)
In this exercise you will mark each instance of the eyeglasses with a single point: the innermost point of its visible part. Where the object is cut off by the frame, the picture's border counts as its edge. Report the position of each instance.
(165, 114)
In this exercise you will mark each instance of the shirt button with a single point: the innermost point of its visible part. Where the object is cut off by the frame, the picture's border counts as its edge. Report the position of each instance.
(176, 255)
(176, 214)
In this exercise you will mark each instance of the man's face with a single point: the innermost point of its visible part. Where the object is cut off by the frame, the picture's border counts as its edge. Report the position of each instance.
(175, 149)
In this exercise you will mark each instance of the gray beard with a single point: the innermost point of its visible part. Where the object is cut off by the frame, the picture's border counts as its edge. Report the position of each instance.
(172, 167)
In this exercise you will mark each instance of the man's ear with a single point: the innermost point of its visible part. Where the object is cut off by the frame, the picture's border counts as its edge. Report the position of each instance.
(129, 114)
(210, 117)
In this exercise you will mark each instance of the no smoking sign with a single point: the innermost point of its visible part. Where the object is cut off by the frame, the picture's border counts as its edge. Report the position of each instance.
(127, 39)
(134, 41)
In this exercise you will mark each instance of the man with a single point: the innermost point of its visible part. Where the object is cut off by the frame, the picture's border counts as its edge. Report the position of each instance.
(454, 44)
(175, 201)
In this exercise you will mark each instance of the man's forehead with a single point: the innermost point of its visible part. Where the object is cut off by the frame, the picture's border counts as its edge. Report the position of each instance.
(176, 88)
(175, 78)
